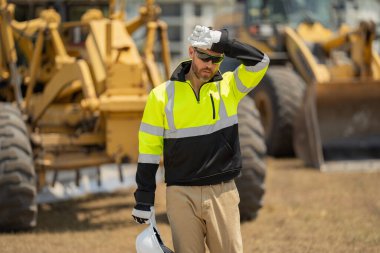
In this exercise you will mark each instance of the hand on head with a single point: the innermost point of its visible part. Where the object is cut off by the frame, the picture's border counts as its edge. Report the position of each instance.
(204, 37)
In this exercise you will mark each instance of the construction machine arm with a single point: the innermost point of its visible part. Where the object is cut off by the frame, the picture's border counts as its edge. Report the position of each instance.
(9, 49)
(149, 18)
(69, 73)
(360, 41)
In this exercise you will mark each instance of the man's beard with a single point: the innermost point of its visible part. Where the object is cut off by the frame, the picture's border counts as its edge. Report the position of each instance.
(201, 75)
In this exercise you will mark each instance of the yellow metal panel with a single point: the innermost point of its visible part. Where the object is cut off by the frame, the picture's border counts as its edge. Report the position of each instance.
(375, 65)
(120, 39)
(96, 62)
(315, 33)
(343, 71)
(56, 139)
(125, 91)
(122, 103)
(125, 75)
(123, 117)
(122, 134)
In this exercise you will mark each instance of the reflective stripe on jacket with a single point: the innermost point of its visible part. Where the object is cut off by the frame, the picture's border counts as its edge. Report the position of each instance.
(198, 136)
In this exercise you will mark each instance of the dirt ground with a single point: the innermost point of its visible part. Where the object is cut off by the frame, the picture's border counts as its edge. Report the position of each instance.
(304, 211)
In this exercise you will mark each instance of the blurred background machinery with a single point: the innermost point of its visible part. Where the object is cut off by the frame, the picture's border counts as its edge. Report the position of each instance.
(321, 94)
(73, 95)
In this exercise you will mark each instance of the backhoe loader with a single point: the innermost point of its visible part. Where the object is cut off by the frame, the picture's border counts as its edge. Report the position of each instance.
(321, 94)
(73, 94)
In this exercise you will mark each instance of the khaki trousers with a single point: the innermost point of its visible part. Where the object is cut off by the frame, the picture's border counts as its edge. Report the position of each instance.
(204, 215)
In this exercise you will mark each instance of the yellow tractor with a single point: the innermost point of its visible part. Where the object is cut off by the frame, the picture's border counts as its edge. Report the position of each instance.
(73, 94)
(321, 94)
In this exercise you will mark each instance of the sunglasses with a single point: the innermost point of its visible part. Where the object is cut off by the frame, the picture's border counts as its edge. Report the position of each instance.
(206, 57)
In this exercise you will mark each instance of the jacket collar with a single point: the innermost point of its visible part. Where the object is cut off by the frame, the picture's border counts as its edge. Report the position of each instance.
(184, 67)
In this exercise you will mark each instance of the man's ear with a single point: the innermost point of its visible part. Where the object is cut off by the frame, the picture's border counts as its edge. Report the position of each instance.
(191, 52)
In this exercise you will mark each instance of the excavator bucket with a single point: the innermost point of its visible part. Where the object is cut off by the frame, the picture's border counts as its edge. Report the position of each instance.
(339, 121)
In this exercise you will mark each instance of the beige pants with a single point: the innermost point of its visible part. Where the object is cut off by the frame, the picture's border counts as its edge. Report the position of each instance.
(201, 215)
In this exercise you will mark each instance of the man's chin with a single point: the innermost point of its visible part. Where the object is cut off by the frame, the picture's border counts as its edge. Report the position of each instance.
(205, 76)
(205, 79)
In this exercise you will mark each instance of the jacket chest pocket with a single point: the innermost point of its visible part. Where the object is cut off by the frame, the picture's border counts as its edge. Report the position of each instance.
(213, 105)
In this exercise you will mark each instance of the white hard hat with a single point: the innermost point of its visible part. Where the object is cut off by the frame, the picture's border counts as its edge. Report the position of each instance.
(149, 240)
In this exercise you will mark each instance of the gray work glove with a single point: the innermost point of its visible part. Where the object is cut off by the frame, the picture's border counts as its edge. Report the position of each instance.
(204, 37)
(143, 213)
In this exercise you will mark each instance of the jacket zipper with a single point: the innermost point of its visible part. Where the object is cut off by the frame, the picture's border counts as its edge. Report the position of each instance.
(195, 94)
(213, 106)
(198, 98)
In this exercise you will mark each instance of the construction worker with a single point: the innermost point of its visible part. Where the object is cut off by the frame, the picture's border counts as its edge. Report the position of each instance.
(192, 120)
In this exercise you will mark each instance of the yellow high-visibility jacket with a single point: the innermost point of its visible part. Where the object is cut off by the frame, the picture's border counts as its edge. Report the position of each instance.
(198, 136)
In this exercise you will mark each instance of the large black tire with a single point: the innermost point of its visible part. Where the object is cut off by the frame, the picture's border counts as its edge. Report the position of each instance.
(18, 208)
(253, 150)
(279, 97)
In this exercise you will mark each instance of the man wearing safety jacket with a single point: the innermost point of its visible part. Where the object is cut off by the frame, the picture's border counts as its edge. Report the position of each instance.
(192, 120)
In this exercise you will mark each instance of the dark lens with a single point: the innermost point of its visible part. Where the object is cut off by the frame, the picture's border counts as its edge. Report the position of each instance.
(216, 59)
(206, 57)
(203, 56)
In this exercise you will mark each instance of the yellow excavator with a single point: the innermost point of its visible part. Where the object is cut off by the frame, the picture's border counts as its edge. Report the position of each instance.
(73, 86)
(321, 95)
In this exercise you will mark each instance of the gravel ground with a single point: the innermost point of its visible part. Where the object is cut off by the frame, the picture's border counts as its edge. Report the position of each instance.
(304, 211)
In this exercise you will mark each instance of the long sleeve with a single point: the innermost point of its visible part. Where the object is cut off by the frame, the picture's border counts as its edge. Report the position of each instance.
(150, 150)
(253, 68)
(247, 54)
